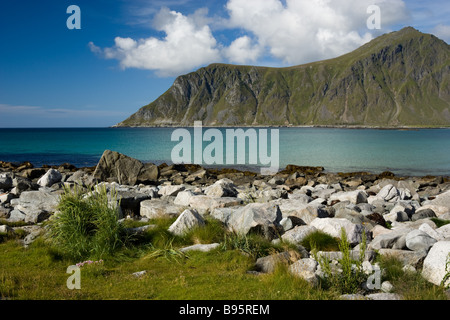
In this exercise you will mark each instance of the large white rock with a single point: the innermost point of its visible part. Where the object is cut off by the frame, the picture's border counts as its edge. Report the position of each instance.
(50, 178)
(418, 240)
(37, 205)
(200, 247)
(261, 217)
(388, 193)
(222, 188)
(435, 263)
(442, 200)
(298, 208)
(444, 232)
(157, 208)
(333, 227)
(187, 220)
(183, 197)
(297, 234)
(170, 190)
(355, 197)
(305, 268)
(395, 239)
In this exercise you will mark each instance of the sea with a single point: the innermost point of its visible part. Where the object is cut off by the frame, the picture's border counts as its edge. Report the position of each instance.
(416, 152)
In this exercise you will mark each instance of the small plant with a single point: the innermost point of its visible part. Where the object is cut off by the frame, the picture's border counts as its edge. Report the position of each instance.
(348, 275)
(168, 252)
(86, 224)
(252, 244)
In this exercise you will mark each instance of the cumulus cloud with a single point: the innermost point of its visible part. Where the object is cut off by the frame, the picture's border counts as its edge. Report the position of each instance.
(242, 51)
(443, 32)
(188, 44)
(300, 31)
(290, 31)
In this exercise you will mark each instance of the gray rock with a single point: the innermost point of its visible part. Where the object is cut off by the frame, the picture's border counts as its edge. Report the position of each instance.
(114, 166)
(183, 197)
(355, 197)
(388, 193)
(422, 214)
(356, 296)
(222, 188)
(395, 239)
(50, 178)
(262, 218)
(434, 265)
(297, 234)
(334, 226)
(37, 205)
(269, 263)
(157, 208)
(187, 220)
(387, 287)
(81, 178)
(223, 214)
(412, 258)
(307, 212)
(444, 232)
(305, 268)
(6, 181)
(384, 296)
(201, 247)
(139, 274)
(418, 240)
(149, 173)
(6, 229)
(442, 200)
(170, 190)
(16, 215)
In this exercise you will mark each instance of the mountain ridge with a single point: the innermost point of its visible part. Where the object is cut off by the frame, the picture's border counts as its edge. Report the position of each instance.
(400, 79)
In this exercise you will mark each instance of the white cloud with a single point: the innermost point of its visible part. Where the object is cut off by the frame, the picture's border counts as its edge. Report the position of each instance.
(300, 31)
(443, 32)
(242, 51)
(289, 31)
(188, 44)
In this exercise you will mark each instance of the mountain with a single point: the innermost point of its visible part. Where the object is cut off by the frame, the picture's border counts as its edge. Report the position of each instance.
(398, 79)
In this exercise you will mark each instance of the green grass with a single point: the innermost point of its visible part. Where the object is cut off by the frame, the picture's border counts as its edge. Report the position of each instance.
(86, 225)
(412, 286)
(39, 271)
(321, 241)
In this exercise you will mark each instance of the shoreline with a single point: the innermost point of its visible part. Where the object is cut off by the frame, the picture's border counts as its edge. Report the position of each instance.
(15, 166)
(358, 127)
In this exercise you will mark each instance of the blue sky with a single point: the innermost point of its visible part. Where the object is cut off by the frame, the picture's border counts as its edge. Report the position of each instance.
(127, 53)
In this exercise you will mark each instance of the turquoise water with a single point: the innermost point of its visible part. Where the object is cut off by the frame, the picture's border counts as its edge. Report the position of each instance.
(413, 152)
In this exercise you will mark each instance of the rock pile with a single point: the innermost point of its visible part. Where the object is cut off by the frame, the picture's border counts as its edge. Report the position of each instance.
(396, 214)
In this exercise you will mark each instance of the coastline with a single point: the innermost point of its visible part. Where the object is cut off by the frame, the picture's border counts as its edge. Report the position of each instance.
(359, 127)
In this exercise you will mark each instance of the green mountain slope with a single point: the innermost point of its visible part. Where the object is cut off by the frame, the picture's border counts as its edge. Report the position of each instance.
(398, 79)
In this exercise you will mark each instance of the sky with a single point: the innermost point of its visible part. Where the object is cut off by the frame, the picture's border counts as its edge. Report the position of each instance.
(125, 54)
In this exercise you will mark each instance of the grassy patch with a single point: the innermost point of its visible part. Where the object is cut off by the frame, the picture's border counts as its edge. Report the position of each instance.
(321, 241)
(410, 285)
(86, 225)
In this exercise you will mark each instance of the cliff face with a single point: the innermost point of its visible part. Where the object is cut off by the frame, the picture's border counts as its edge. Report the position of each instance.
(398, 79)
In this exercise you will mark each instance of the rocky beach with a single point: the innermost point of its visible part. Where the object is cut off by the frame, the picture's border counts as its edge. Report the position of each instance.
(395, 216)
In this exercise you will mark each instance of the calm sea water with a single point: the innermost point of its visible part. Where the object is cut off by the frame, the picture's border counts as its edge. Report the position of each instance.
(414, 152)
